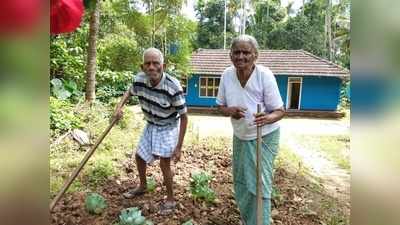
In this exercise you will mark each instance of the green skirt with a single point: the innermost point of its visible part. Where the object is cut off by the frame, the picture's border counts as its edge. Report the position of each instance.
(244, 175)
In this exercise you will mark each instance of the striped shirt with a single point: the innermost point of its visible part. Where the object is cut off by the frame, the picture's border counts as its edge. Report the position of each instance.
(163, 104)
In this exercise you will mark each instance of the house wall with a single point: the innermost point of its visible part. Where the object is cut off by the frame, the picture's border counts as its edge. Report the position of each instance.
(193, 93)
(318, 93)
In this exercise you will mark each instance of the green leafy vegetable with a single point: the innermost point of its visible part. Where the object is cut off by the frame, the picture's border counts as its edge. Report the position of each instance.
(95, 203)
(199, 187)
(151, 184)
(133, 216)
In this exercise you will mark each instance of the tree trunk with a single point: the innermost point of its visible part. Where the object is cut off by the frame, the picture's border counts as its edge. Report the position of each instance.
(244, 16)
(329, 29)
(153, 31)
(90, 95)
(225, 24)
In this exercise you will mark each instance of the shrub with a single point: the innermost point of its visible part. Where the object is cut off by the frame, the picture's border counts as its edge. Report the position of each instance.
(62, 116)
(67, 56)
(64, 89)
(111, 84)
(119, 53)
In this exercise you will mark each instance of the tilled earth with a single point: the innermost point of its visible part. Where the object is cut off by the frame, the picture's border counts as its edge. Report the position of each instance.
(294, 204)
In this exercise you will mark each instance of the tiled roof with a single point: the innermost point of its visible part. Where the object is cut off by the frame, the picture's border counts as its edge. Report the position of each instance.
(281, 62)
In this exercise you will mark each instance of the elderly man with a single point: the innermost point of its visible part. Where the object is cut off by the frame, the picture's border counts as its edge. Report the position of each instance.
(243, 86)
(163, 104)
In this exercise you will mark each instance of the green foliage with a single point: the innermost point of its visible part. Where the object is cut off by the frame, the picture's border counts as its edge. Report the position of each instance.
(64, 89)
(299, 33)
(62, 116)
(189, 222)
(133, 216)
(182, 33)
(276, 195)
(89, 4)
(95, 203)
(68, 56)
(56, 183)
(204, 192)
(141, 24)
(59, 90)
(100, 172)
(345, 95)
(151, 184)
(275, 29)
(124, 33)
(127, 118)
(112, 84)
(210, 26)
(199, 187)
(201, 179)
(269, 16)
(341, 32)
(118, 80)
(333, 147)
(119, 52)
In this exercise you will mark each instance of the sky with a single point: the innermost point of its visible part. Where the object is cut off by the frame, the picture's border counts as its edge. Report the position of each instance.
(188, 9)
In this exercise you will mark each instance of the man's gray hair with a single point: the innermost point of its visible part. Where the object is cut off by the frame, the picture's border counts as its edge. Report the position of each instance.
(246, 38)
(154, 50)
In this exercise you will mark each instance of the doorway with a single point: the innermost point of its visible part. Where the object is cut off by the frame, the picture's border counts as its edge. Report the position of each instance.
(294, 93)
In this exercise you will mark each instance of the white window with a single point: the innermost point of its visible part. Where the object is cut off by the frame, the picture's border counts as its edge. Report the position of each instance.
(209, 86)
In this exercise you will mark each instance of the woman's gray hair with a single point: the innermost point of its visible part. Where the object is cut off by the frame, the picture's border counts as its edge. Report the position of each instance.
(246, 38)
(154, 50)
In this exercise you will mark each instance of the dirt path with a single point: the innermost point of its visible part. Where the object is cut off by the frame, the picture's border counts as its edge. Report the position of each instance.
(335, 180)
(221, 126)
(211, 126)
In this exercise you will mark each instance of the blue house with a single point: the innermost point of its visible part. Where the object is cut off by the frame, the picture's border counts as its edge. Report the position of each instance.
(306, 82)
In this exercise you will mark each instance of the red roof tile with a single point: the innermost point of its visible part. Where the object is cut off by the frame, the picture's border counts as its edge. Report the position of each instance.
(281, 62)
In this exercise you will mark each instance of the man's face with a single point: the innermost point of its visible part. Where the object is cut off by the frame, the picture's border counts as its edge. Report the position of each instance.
(152, 66)
(243, 55)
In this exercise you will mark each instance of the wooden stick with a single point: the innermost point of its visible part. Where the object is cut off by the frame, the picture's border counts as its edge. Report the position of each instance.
(259, 207)
(83, 162)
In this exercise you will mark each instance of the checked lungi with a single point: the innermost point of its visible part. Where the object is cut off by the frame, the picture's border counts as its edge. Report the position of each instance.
(157, 141)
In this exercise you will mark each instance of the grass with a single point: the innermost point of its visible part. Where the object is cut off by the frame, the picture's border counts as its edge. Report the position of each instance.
(332, 216)
(329, 210)
(97, 170)
(290, 161)
(105, 162)
(334, 147)
(347, 114)
(57, 182)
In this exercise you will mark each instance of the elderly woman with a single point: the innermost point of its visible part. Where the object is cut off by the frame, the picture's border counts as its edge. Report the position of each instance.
(243, 86)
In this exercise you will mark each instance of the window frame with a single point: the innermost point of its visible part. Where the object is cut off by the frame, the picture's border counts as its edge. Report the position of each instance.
(214, 87)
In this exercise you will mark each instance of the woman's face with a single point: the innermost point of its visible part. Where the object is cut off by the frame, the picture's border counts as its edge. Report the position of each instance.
(243, 55)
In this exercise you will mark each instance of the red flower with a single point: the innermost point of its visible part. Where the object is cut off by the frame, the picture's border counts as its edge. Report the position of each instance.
(20, 15)
(65, 15)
